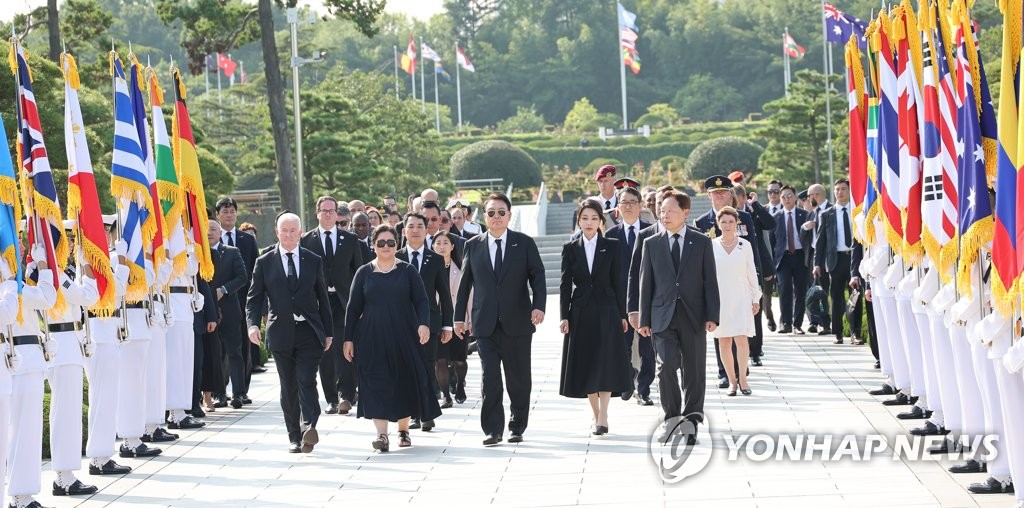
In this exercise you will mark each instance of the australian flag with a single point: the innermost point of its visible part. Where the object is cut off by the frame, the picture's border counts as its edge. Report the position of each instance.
(840, 26)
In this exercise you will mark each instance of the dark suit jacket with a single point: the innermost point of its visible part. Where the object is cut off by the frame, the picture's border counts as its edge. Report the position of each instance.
(696, 284)
(208, 314)
(228, 273)
(271, 294)
(507, 292)
(580, 284)
(368, 253)
(348, 257)
(633, 283)
(781, 241)
(750, 231)
(827, 246)
(619, 232)
(435, 282)
(247, 247)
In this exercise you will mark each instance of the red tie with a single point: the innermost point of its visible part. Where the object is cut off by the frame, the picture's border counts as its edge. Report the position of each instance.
(791, 243)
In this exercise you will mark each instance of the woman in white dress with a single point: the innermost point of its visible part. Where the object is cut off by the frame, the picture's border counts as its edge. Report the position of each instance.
(740, 296)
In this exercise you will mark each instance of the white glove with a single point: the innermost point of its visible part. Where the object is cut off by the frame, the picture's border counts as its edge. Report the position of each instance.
(163, 276)
(5, 270)
(198, 300)
(169, 318)
(1013, 360)
(90, 348)
(192, 266)
(38, 252)
(121, 247)
(150, 276)
(50, 348)
(29, 268)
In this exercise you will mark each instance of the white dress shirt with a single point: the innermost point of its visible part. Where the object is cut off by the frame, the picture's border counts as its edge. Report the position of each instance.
(682, 240)
(840, 234)
(614, 201)
(284, 262)
(410, 250)
(234, 237)
(788, 216)
(493, 247)
(323, 238)
(590, 248)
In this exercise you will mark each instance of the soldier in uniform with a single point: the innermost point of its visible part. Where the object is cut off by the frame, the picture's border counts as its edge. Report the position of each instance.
(78, 285)
(184, 299)
(8, 313)
(156, 360)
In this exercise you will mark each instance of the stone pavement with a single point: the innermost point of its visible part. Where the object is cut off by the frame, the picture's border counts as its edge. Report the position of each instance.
(807, 385)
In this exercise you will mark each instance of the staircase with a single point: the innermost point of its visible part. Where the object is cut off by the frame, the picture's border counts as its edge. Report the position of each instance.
(559, 220)
(550, 248)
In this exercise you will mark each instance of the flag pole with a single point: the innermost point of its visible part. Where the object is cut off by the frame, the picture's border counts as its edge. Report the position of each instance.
(220, 98)
(437, 107)
(785, 61)
(396, 71)
(412, 76)
(828, 106)
(622, 68)
(458, 85)
(206, 74)
(423, 85)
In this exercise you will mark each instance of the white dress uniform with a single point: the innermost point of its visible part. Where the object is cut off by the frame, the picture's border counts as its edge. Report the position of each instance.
(25, 459)
(181, 345)
(65, 377)
(131, 406)
(997, 332)
(911, 336)
(945, 362)
(885, 291)
(8, 313)
(971, 412)
(929, 285)
(156, 359)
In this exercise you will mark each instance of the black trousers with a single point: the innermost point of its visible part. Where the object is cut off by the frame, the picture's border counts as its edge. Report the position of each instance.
(337, 375)
(837, 293)
(864, 307)
(296, 369)
(231, 344)
(680, 348)
(428, 353)
(645, 347)
(197, 370)
(247, 358)
(212, 373)
(792, 275)
(511, 353)
(767, 286)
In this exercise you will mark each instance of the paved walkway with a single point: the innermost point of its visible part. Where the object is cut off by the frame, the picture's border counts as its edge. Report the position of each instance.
(807, 385)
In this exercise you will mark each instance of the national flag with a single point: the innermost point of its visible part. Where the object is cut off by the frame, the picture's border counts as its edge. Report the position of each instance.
(626, 18)
(909, 61)
(975, 208)
(840, 26)
(10, 209)
(627, 39)
(438, 69)
(428, 53)
(167, 186)
(874, 149)
(889, 141)
(409, 58)
(463, 60)
(1010, 158)
(226, 64)
(857, 101)
(45, 221)
(129, 182)
(83, 198)
(946, 91)
(631, 59)
(791, 48)
(153, 218)
(187, 163)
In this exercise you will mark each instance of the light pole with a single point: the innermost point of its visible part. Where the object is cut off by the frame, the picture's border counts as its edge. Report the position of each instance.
(293, 22)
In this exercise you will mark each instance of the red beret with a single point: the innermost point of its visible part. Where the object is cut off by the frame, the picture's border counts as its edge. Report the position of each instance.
(736, 177)
(603, 171)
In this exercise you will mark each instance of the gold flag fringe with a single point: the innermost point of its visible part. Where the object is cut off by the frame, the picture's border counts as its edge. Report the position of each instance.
(971, 242)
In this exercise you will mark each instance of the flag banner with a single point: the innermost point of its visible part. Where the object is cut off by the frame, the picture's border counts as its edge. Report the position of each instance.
(463, 61)
(10, 210)
(129, 214)
(909, 64)
(888, 139)
(628, 38)
(626, 18)
(857, 101)
(168, 190)
(45, 221)
(791, 48)
(429, 54)
(946, 91)
(153, 218)
(874, 149)
(186, 162)
(975, 207)
(409, 58)
(83, 198)
(438, 69)
(226, 64)
(1010, 158)
(840, 26)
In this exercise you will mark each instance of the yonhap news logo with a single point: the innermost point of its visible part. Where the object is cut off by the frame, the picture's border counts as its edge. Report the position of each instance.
(680, 448)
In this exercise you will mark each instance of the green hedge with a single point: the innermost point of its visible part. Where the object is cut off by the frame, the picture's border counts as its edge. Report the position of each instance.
(576, 157)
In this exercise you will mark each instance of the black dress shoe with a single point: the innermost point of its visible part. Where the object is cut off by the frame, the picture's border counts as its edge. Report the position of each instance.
(110, 467)
(825, 331)
(518, 438)
(812, 329)
(427, 425)
(944, 446)
(723, 383)
(187, 423)
(199, 413)
(415, 424)
(771, 326)
(245, 399)
(599, 430)
(33, 504)
(627, 395)
(839, 340)
(901, 400)
(236, 403)
(492, 439)
(643, 400)
(294, 448)
(968, 466)
(756, 362)
(76, 489)
(447, 403)
(259, 370)
(991, 486)
(309, 439)
(915, 413)
(886, 389)
(220, 403)
(857, 341)
(797, 330)
(929, 429)
(332, 409)
(159, 436)
(786, 329)
(878, 364)
(139, 451)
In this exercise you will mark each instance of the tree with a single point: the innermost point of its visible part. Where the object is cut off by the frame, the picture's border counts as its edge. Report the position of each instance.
(721, 156)
(496, 159)
(468, 16)
(582, 117)
(797, 136)
(525, 120)
(706, 98)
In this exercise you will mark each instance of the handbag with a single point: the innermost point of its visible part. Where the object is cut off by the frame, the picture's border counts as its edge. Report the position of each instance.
(851, 305)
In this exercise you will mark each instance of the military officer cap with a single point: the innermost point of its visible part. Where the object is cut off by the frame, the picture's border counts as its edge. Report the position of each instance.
(622, 183)
(717, 182)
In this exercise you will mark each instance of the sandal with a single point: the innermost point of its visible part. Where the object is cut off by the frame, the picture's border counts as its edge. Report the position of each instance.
(381, 443)
(403, 439)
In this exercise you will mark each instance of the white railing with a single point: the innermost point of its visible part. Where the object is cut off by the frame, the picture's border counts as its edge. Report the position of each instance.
(532, 219)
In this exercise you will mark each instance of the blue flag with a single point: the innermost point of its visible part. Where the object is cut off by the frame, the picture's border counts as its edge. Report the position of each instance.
(840, 26)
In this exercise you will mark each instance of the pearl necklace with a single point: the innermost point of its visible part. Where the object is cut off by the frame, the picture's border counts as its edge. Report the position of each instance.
(389, 270)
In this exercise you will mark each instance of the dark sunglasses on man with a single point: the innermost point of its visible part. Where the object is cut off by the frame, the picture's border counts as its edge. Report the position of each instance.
(501, 213)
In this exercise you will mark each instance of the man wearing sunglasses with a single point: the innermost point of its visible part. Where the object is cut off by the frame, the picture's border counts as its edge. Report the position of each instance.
(342, 256)
(500, 268)
(432, 213)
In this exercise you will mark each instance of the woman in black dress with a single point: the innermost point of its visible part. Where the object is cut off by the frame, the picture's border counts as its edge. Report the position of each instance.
(593, 311)
(381, 340)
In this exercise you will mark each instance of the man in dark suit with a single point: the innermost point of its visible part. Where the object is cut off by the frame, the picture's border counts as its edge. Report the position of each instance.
(833, 252)
(227, 216)
(203, 321)
(626, 232)
(435, 280)
(501, 268)
(289, 286)
(818, 201)
(361, 227)
(679, 305)
(341, 257)
(633, 284)
(228, 280)
(789, 262)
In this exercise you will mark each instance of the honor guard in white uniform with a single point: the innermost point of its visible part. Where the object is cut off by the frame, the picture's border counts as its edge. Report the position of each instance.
(184, 299)
(156, 359)
(8, 364)
(103, 368)
(64, 373)
(24, 461)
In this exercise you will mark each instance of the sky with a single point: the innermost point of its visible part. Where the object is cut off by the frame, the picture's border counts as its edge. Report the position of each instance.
(420, 9)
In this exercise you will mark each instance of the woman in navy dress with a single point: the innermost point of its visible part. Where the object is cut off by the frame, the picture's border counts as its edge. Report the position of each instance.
(382, 340)
(593, 309)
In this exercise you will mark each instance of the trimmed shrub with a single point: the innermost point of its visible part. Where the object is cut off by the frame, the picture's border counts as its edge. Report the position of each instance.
(722, 156)
(496, 159)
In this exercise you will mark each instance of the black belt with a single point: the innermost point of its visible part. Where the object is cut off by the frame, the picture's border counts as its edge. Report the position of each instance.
(72, 326)
(115, 313)
(137, 305)
(26, 340)
(158, 298)
(181, 289)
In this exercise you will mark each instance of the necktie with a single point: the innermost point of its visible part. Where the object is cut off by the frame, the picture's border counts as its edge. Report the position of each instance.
(846, 229)
(677, 251)
(608, 204)
(631, 238)
(293, 277)
(790, 242)
(231, 239)
(416, 259)
(328, 245)
(497, 256)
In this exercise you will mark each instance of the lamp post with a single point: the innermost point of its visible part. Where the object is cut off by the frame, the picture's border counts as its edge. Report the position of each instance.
(296, 62)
